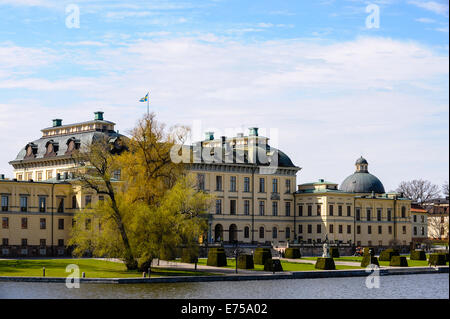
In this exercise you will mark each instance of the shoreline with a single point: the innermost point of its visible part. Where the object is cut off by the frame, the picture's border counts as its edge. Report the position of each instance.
(241, 277)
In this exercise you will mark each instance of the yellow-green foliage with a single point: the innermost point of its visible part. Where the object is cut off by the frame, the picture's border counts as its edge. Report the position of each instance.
(292, 253)
(216, 257)
(261, 255)
(325, 263)
(245, 262)
(398, 261)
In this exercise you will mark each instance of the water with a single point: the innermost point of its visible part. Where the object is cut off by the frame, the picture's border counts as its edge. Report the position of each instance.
(434, 286)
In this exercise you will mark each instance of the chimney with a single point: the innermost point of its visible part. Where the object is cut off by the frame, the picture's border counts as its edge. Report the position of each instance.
(66, 175)
(240, 135)
(98, 116)
(253, 131)
(58, 176)
(57, 122)
(2, 176)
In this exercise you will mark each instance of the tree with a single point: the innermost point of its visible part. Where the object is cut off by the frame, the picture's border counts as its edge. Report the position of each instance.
(419, 191)
(445, 189)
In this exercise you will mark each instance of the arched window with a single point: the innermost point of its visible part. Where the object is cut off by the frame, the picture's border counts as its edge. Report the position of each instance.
(246, 232)
(274, 233)
(218, 232)
(261, 232)
(288, 232)
(403, 211)
(232, 231)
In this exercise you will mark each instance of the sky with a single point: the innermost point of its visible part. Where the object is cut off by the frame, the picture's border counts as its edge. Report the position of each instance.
(327, 81)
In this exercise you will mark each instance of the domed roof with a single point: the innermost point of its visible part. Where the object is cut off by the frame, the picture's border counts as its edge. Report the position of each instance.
(362, 181)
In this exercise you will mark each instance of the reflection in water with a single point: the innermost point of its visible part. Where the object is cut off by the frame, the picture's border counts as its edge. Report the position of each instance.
(396, 287)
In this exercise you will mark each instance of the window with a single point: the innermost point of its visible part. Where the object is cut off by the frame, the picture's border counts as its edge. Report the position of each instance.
(5, 241)
(309, 210)
(300, 229)
(319, 228)
(379, 214)
(404, 229)
(24, 242)
(261, 208)
(358, 230)
(262, 188)
(319, 210)
(5, 203)
(340, 210)
(232, 183)
(288, 232)
(232, 207)
(87, 200)
(101, 198)
(331, 228)
(61, 223)
(5, 222)
(246, 184)
(390, 230)
(380, 229)
(261, 232)
(331, 210)
(403, 212)
(60, 205)
(23, 203)
(201, 181)
(42, 242)
(300, 210)
(43, 223)
(349, 229)
(246, 207)
(288, 208)
(39, 176)
(288, 186)
(24, 223)
(389, 215)
(74, 202)
(116, 174)
(42, 204)
(61, 242)
(415, 231)
(349, 211)
(246, 232)
(368, 213)
(358, 214)
(340, 229)
(274, 233)
(369, 229)
(415, 218)
(274, 185)
(423, 231)
(49, 174)
(422, 218)
(275, 208)
(309, 229)
(218, 206)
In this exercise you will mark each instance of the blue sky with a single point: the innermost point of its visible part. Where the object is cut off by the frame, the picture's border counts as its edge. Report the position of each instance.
(311, 72)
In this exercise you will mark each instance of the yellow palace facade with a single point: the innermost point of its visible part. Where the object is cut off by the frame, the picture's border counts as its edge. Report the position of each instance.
(256, 198)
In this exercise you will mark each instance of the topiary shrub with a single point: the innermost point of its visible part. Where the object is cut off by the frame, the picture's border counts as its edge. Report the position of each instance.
(189, 255)
(261, 255)
(418, 255)
(325, 263)
(437, 260)
(217, 257)
(386, 255)
(273, 265)
(367, 250)
(334, 252)
(369, 260)
(245, 262)
(292, 253)
(398, 261)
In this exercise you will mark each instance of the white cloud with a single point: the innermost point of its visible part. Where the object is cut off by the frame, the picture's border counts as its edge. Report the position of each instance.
(425, 20)
(436, 7)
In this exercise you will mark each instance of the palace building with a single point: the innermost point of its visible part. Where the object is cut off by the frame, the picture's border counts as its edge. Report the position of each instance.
(256, 198)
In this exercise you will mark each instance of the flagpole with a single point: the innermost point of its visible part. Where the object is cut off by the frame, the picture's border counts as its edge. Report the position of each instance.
(148, 99)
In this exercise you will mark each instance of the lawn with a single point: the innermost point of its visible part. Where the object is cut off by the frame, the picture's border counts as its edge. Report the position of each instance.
(411, 263)
(287, 266)
(91, 267)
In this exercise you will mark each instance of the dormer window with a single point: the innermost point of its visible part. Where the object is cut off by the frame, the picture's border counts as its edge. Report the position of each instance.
(31, 150)
(72, 145)
(51, 148)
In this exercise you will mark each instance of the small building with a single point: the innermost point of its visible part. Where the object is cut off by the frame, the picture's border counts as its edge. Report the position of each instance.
(419, 223)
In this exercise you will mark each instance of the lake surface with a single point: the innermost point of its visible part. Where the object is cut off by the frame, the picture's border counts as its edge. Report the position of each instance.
(434, 286)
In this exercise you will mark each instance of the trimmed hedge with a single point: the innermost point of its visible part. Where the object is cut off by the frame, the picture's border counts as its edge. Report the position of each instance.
(437, 259)
(386, 255)
(325, 263)
(398, 261)
(217, 257)
(273, 265)
(261, 255)
(292, 253)
(367, 250)
(418, 255)
(189, 255)
(245, 262)
(334, 252)
(369, 260)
